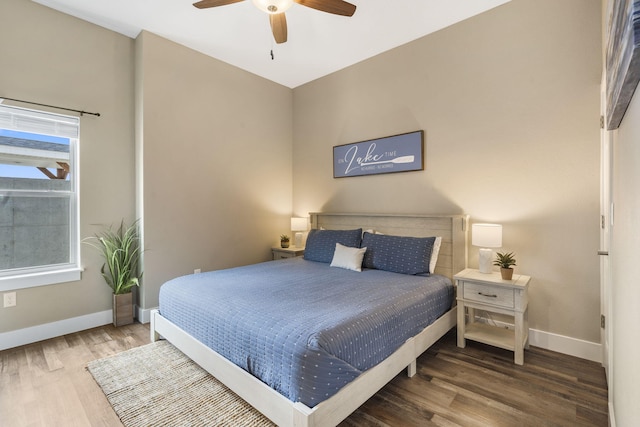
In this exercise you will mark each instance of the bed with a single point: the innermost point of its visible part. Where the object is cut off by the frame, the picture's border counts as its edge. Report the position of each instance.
(314, 366)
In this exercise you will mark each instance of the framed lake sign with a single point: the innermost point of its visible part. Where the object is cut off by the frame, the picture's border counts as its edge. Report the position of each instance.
(398, 153)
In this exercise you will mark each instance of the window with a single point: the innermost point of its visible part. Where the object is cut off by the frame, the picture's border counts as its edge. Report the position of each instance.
(39, 237)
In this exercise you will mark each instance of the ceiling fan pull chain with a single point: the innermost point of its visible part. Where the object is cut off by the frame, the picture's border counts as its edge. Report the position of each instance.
(272, 54)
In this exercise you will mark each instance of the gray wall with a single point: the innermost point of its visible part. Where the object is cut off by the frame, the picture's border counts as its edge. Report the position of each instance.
(34, 230)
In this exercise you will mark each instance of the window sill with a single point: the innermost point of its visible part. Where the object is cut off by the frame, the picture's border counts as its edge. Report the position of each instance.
(33, 280)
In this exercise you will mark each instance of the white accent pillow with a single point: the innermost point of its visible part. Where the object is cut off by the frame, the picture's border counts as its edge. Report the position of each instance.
(348, 258)
(434, 255)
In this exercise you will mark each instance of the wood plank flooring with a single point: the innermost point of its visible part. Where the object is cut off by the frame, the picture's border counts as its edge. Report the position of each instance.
(46, 384)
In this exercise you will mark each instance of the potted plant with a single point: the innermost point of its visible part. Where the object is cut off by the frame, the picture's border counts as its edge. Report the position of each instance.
(284, 241)
(505, 260)
(121, 251)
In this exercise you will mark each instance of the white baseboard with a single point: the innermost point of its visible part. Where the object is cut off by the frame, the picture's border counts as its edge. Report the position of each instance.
(144, 314)
(37, 333)
(612, 415)
(54, 329)
(560, 343)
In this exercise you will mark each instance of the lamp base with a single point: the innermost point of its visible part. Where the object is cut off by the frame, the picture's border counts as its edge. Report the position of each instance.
(298, 239)
(484, 260)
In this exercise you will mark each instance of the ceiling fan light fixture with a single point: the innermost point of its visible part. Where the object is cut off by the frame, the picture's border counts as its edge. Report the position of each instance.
(273, 6)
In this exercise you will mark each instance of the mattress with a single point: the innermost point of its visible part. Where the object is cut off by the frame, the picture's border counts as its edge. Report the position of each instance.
(304, 328)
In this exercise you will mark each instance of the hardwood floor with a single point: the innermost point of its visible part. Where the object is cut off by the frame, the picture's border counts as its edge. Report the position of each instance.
(46, 384)
(480, 386)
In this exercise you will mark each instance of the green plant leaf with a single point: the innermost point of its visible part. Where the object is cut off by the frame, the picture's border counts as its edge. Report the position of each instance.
(120, 249)
(505, 259)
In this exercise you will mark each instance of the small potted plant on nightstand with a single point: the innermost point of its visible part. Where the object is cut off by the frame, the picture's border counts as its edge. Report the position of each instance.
(505, 260)
(284, 241)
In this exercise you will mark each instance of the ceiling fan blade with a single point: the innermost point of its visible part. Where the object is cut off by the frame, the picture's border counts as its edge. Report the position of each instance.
(278, 27)
(203, 4)
(337, 7)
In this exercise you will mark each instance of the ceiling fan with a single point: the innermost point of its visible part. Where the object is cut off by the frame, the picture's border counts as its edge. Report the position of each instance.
(276, 9)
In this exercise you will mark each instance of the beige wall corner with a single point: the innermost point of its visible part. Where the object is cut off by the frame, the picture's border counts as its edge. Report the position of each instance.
(215, 145)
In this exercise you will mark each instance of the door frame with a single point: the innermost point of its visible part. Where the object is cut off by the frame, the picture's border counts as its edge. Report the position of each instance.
(606, 224)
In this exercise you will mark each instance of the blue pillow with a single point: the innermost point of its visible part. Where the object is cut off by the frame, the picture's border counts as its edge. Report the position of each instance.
(406, 255)
(321, 244)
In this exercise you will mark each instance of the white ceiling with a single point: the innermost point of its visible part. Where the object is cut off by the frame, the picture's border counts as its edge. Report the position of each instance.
(239, 34)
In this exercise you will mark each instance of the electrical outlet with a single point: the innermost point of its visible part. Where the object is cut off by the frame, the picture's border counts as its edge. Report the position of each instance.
(9, 299)
(197, 271)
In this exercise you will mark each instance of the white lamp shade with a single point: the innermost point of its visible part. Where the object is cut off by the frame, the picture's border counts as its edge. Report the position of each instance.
(298, 224)
(486, 235)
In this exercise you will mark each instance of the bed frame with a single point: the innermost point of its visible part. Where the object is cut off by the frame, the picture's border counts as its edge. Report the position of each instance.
(452, 258)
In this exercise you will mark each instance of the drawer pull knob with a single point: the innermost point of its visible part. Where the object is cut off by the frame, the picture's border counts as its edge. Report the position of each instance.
(488, 295)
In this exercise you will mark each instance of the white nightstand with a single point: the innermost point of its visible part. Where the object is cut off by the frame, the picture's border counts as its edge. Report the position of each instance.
(291, 252)
(487, 291)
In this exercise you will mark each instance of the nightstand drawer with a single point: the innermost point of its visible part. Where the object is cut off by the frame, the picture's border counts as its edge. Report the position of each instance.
(494, 295)
(282, 253)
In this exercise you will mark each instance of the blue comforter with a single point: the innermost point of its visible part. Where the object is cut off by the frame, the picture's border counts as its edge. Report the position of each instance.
(302, 327)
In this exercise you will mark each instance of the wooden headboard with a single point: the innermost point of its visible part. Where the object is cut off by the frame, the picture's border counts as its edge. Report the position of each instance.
(452, 228)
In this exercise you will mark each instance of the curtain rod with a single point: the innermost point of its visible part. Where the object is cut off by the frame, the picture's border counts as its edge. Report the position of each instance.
(51, 106)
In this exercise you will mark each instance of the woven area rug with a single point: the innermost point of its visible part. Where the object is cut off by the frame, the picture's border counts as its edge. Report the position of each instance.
(157, 385)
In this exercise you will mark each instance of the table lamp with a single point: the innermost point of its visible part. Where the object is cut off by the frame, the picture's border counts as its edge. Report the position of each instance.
(298, 225)
(486, 236)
